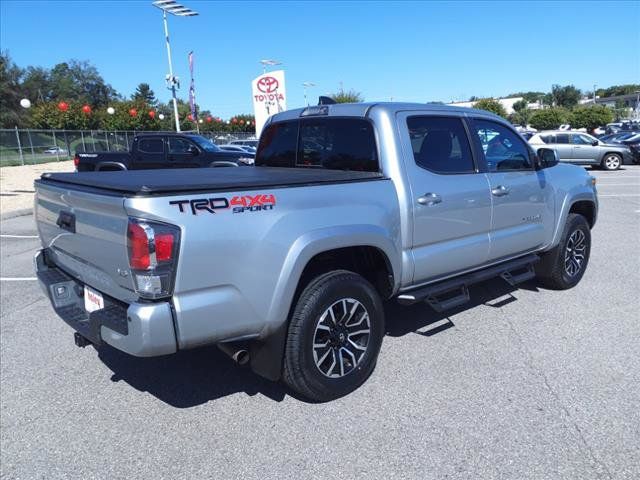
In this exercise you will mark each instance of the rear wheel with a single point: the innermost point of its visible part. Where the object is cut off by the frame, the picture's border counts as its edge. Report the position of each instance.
(334, 337)
(563, 267)
(611, 161)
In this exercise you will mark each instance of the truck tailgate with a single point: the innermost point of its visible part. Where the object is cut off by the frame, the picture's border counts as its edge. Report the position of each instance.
(86, 236)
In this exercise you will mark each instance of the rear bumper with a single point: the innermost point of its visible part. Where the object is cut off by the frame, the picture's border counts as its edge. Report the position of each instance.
(140, 329)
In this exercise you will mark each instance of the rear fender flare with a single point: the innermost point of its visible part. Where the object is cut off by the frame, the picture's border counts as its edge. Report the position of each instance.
(120, 166)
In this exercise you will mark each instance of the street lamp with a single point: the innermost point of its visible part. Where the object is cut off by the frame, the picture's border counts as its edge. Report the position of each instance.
(270, 63)
(25, 103)
(174, 8)
(307, 85)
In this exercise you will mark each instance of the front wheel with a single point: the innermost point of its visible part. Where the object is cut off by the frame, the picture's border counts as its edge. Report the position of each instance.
(563, 267)
(334, 337)
(611, 161)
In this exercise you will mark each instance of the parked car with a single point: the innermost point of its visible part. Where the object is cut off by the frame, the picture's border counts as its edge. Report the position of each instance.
(249, 142)
(633, 142)
(162, 150)
(286, 268)
(55, 151)
(237, 148)
(583, 149)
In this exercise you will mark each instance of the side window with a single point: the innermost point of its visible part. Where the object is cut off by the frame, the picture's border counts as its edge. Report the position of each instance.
(440, 144)
(179, 145)
(548, 138)
(503, 149)
(581, 139)
(151, 145)
(277, 146)
(337, 144)
(562, 138)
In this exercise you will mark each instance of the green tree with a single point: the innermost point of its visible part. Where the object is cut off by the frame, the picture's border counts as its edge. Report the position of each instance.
(351, 96)
(491, 105)
(620, 111)
(618, 90)
(11, 113)
(145, 94)
(80, 81)
(549, 118)
(590, 117)
(566, 96)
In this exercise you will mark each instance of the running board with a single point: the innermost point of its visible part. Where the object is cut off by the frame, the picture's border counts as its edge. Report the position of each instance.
(455, 292)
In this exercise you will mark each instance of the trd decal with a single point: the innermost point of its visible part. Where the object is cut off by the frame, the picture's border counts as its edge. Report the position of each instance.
(240, 204)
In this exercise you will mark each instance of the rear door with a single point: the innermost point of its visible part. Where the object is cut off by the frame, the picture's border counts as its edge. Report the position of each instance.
(563, 146)
(451, 199)
(521, 196)
(148, 152)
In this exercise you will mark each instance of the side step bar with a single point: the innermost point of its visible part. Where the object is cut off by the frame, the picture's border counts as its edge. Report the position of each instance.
(455, 292)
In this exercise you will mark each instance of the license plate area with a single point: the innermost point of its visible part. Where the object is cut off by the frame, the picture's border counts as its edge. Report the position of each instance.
(93, 300)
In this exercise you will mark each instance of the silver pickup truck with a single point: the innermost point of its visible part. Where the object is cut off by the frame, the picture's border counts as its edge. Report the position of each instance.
(286, 265)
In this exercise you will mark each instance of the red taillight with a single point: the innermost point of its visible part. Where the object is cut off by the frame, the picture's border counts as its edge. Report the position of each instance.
(76, 161)
(139, 257)
(164, 246)
(153, 254)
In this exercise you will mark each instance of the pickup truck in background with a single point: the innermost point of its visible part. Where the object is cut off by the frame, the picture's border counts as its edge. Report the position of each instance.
(163, 150)
(286, 265)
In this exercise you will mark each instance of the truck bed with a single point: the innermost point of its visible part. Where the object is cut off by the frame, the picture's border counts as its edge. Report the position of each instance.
(154, 182)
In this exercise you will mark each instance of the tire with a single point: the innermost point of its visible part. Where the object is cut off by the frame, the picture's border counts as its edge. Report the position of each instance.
(611, 161)
(347, 356)
(563, 267)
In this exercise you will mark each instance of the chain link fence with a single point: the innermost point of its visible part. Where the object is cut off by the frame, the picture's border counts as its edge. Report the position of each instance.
(30, 147)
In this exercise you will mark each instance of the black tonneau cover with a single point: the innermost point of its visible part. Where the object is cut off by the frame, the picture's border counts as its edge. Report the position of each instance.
(149, 182)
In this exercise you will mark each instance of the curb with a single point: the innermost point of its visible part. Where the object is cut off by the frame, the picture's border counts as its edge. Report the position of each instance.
(16, 213)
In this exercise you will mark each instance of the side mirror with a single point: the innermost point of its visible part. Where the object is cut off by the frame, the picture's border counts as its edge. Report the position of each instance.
(547, 157)
(192, 150)
(595, 143)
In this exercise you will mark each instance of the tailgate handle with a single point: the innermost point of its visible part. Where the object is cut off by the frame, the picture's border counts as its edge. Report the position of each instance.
(67, 221)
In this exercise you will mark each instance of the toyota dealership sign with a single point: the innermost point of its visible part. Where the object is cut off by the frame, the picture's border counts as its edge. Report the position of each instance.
(269, 96)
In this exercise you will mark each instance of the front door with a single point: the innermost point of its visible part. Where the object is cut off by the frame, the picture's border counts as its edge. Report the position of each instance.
(522, 198)
(583, 149)
(182, 153)
(450, 198)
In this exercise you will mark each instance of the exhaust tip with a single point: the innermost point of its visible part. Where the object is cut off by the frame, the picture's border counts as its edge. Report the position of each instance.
(238, 354)
(241, 357)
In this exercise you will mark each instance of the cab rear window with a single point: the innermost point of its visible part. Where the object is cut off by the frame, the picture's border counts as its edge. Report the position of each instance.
(331, 143)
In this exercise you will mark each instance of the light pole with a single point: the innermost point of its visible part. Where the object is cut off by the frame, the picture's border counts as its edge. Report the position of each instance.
(594, 93)
(174, 8)
(270, 63)
(307, 85)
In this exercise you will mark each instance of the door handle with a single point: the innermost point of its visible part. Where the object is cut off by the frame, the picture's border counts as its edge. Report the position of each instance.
(500, 191)
(429, 199)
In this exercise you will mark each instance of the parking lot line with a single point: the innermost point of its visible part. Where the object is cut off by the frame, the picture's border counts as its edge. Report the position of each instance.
(18, 236)
(17, 279)
(621, 195)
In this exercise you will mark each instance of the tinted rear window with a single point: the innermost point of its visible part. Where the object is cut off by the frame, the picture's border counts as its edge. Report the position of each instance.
(151, 145)
(331, 143)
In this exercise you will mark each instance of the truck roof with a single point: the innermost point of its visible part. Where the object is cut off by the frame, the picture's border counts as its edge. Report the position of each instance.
(362, 110)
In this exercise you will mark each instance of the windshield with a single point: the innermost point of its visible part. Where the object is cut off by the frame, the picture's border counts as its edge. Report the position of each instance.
(204, 143)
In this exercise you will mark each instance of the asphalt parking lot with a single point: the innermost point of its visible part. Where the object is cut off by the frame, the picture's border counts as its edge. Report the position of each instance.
(520, 384)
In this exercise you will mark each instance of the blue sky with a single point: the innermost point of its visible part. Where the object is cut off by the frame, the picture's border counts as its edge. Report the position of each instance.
(408, 51)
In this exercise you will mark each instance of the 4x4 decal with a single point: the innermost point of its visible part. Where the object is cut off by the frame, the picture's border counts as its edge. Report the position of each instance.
(239, 204)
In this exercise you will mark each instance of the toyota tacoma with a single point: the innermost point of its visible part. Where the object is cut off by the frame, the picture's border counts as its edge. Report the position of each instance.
(286, 265)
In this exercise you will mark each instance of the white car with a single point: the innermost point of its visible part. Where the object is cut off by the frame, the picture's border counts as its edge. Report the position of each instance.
(55, 151)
